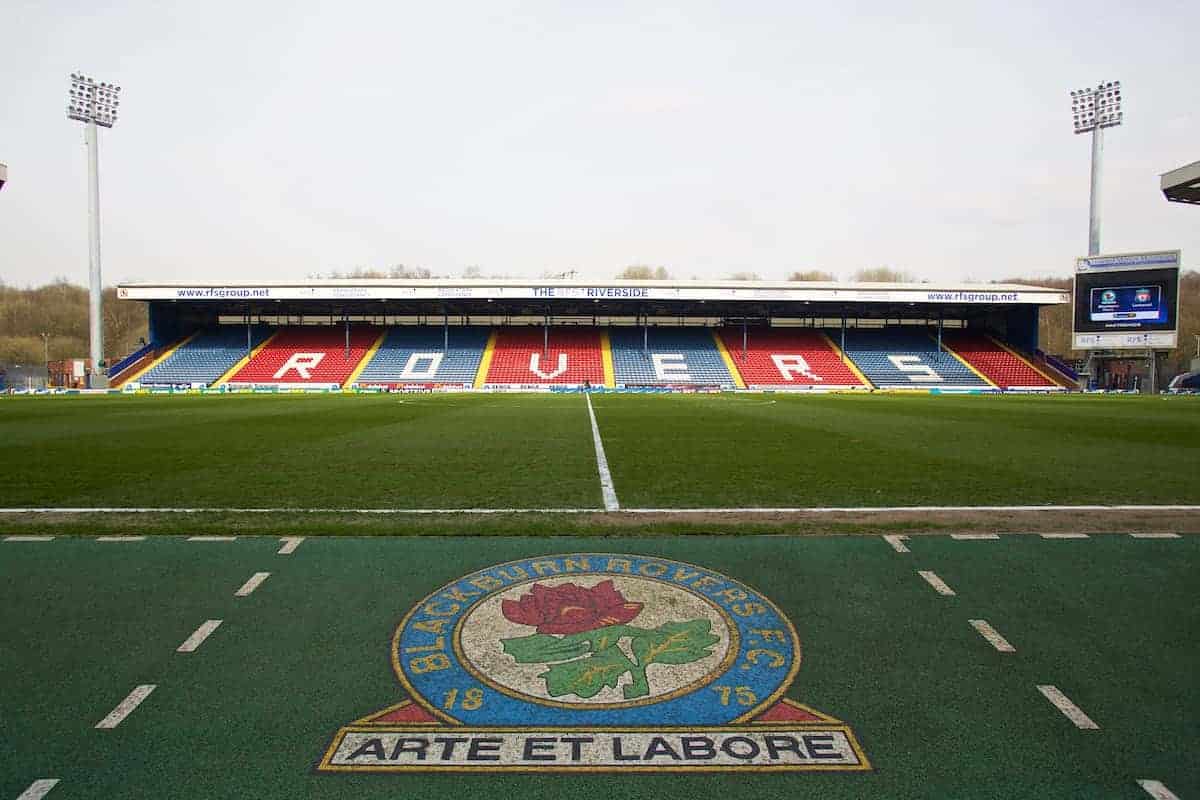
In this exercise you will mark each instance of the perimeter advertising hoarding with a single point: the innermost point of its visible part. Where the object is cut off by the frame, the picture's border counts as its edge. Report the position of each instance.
(1127, 301)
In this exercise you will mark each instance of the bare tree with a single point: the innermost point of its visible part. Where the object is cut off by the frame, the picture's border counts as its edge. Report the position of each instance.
(884, 275)
(744, 276)
(812, 275)
(642, 272)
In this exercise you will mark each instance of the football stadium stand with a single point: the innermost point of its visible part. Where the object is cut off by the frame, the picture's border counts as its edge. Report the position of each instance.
(668, 356)
(1000, 365)
(203, 358)
(904, 358)
(619, 357)
(420, 355)
(308, 356)
(789, 358)
(520, 357)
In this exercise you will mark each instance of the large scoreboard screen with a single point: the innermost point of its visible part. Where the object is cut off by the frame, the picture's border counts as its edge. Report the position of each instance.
(1126, 301)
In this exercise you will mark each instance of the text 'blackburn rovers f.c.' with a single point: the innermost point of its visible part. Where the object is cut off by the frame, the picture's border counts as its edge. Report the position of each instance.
(595, 662)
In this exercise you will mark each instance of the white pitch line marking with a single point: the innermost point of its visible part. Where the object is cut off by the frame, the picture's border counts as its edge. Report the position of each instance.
(249, 586)
(1069, 709)
(974, 537)
(194, 641)
(120, 538)
(1155, 535)
(606, 482)
(1156, 790)
(38, 789)
(896, 540)
(212, 538)
(126, 706)
(290, 543)
(1064, 536)
(28, 538)
(697, 510)
(995, 639)
(937, 583)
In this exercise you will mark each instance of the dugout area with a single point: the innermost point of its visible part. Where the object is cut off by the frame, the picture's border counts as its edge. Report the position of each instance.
(1110, 620)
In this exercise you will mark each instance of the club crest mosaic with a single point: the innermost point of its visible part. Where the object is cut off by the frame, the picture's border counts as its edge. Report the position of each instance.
(597, 662)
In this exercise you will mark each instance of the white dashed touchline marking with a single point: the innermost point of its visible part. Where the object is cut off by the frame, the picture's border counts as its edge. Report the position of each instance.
(937, 583)
(120, 538)
(1156, 790)
(28, 538)
(212, 538)
(126, 706)
(38, 789)
(290, 543)
(1155, 535)
(973, 537)
(1069, 709)
(897, 542)
(249, 586)
(989, 633)
(1064, 536)
(196, 639)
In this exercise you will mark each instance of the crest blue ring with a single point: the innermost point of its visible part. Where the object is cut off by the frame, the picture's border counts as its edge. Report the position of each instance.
(701, 706)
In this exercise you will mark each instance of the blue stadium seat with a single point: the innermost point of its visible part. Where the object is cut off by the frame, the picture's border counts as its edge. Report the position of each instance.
(674, 356)
(411, 355)
(894, 358)
(206, 357)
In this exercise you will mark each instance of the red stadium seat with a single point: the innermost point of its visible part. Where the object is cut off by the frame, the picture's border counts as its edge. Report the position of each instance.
(999, 365)
(787, 357)
(315, 355)
(573, 357)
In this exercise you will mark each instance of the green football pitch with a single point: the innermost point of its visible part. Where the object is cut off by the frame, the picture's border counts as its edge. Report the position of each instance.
(537, 452)
(1110, 620)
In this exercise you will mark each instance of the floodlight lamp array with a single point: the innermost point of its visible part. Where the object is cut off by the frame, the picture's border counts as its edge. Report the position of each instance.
(88, 101)
(1097, 108)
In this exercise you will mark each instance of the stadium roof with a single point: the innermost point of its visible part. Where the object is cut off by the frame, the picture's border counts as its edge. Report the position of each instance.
(1182, 185)
(550, 290)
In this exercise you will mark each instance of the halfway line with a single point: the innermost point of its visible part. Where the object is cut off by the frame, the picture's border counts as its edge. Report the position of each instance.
(126, 707)
(606, 482)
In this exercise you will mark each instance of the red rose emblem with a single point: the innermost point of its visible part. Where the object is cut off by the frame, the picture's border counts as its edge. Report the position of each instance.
(571, 609)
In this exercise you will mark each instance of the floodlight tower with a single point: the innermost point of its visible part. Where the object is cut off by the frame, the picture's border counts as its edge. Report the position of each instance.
(1094, 110)
(93, 104)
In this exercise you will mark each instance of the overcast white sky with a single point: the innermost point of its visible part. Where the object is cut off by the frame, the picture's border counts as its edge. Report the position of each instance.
(272, 141)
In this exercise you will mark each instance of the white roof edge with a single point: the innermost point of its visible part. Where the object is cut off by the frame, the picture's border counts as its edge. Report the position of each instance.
(670, 284)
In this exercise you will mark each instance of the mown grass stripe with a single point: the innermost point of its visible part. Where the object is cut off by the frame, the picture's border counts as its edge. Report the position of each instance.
(126, 706)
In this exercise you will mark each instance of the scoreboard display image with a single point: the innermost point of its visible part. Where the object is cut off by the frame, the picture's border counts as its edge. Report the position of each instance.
(1126, 301)
(1116, 303)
